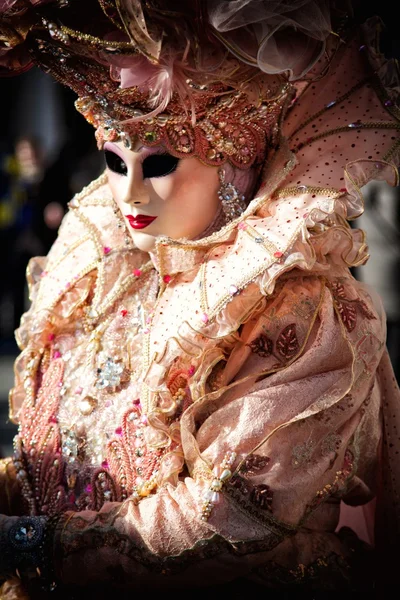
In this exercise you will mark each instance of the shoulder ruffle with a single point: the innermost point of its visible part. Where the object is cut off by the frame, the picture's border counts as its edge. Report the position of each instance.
(300, 228)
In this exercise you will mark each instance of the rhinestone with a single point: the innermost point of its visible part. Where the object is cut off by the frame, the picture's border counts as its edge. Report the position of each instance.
(126, 140)
(162, 119)
(150, 136)
(101, 100)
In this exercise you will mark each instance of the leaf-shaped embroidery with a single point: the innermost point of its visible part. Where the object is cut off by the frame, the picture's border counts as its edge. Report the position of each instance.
(253, 464)
(261, 495)
(262, 346)
(348, 314)
(338, 290)
(287, 343)
(363, 308)
(240, 484)
(301, 454)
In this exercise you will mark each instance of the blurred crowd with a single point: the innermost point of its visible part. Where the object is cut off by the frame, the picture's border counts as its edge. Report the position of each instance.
(34, 193)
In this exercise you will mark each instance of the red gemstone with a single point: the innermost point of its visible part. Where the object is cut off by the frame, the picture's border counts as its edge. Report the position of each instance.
(124, 312)
(118, 431)
(56, 354)
(106, 249)
(278, 254)
(167, 278)
(137, 272)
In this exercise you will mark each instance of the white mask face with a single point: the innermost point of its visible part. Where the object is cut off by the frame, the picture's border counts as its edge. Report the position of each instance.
(160, 195)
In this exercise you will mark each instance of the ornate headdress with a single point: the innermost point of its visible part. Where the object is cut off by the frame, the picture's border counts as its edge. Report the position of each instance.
(209, 79)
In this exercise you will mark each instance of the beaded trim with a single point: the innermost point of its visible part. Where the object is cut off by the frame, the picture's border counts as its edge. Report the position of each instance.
(222, 474)
(231, 130)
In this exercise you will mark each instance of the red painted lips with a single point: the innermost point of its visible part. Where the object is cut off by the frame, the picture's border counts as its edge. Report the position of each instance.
(140, 221)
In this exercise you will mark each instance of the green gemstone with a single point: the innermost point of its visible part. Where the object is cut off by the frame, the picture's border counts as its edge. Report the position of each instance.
(150, 136)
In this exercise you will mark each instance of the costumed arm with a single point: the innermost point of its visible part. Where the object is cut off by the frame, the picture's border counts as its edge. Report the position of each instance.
(298, 439)
(295, 411)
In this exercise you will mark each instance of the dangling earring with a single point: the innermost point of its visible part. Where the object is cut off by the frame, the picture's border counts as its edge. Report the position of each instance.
(121, 225)
(233, 202)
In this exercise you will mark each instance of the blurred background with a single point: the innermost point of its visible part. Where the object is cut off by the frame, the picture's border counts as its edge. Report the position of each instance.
(48, 153)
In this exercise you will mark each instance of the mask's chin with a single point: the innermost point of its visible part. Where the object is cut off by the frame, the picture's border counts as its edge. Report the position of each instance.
(144, 241)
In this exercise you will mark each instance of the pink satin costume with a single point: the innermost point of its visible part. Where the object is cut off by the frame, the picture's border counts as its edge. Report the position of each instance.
(139, 376)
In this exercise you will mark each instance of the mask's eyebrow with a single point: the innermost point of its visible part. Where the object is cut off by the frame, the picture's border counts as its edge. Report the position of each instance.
(113, 148)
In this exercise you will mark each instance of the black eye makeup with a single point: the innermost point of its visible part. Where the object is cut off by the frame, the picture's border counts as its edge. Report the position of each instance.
(115, 163)
(153, 165)
(159, 165)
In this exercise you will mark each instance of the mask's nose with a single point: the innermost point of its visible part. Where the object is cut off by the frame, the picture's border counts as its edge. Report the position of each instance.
(136, 192)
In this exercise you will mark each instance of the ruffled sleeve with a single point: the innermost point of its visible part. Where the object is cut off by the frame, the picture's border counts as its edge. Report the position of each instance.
(288, 427)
